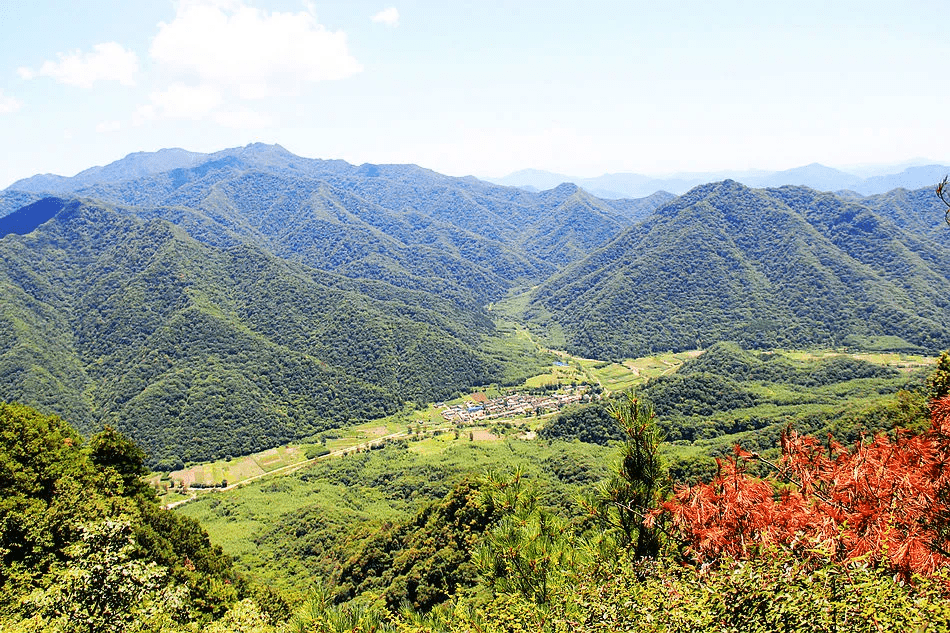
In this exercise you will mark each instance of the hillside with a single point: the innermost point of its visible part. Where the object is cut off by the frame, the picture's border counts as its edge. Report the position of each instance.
(198, 351)
(250, 298)
(404, 525)
(777, 267)
(458, 238)
(85, 545)
(294, 294)
(11, 200)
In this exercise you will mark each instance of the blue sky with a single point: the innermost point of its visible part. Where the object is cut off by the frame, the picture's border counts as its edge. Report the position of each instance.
(482, 88)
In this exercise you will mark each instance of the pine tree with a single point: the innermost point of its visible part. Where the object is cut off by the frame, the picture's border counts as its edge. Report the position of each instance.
(641, 481)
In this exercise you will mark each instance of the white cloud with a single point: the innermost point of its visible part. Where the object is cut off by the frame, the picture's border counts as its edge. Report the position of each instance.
(108, 126)
(9, 104)
(254, 52)
(204, 102)
(389, 17)
(179, 101)
(143, 114)
(107, 62)
(242, 119)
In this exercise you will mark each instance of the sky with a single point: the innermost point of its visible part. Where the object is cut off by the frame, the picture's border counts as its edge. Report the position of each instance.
(478, 87)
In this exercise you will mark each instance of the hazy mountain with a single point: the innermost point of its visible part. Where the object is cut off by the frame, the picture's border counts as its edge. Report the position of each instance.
(11, 200)
(870, 170)
(132, 166)
(537, 179)
(815, 176)
(610, 186)
(143, 164)
(911, 178)
(403, 224)
(636, 209)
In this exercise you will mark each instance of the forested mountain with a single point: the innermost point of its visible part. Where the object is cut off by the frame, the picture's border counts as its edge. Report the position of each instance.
(295, 294)
(198, 351)
(213, 304)
(777, 267)
(402, 224)
(11, 200)
(209, 305)
(915, 211)
(135, 165)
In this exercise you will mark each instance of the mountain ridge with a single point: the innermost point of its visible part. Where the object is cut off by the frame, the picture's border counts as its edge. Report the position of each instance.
(814, 175)
(140, 326)
(726, 262)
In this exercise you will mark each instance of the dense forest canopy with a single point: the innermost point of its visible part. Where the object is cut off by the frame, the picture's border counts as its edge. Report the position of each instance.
(147, 294)
(85, 546)
(768, 268)
(544, 547)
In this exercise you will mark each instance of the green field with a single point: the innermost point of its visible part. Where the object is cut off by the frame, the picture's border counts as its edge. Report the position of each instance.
(611, 377)
(280, 529)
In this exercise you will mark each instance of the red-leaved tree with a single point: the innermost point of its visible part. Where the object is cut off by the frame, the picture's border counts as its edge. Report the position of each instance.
(886, 501)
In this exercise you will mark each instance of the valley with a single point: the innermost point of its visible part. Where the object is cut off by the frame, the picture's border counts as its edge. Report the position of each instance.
(371, 393)
(373, 473)
(430, 421)
(334, 294)
(484, 317)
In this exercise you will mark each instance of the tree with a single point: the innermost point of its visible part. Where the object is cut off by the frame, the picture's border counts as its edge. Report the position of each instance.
(111, 449)
(938, 384)
(641, 482)
(944, 194)
(886, 502)
(528, 547)
(44, 479)
(104, 588)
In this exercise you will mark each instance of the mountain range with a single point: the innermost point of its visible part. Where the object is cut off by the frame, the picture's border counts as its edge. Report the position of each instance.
(217, 304)
(815, 176)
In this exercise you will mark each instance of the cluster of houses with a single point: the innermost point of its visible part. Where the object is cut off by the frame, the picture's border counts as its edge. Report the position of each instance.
(480, 407)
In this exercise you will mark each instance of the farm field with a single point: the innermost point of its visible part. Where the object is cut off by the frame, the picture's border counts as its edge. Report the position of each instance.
(565, 370)
(427, 421)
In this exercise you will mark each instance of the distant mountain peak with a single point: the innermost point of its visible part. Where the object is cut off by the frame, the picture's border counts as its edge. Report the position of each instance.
(165, 151)
(566, 188)
(369, 170)
(274, 149)
(814, 175)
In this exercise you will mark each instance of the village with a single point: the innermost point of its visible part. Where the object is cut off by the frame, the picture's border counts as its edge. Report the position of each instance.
(480, 407)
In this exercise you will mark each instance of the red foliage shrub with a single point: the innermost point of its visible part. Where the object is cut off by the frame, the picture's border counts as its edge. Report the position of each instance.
(886, 501)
